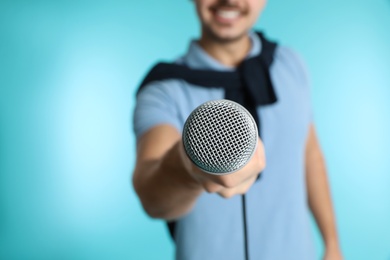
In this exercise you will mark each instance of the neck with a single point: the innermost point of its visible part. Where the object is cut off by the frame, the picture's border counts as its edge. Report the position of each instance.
(229, 53)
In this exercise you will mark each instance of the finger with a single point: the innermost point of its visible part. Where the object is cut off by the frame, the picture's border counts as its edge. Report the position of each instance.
(212, 187)
(239, 190)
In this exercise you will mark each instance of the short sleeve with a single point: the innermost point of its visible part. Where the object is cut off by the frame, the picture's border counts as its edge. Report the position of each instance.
(289, 69)
(155, 105)
(303, 75)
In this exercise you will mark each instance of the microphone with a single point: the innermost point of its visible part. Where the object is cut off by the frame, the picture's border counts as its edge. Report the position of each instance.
(220, 136)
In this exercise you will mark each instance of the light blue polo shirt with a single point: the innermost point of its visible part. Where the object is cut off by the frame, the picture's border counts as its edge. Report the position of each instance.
(278, 218)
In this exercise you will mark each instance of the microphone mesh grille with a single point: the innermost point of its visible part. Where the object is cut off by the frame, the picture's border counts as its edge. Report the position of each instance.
(220, 136)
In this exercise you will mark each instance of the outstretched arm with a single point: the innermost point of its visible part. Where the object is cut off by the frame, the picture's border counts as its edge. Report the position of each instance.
(160, 178)
(168, 183)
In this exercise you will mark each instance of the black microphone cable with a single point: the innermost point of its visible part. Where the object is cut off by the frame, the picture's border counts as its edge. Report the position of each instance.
(245, 227)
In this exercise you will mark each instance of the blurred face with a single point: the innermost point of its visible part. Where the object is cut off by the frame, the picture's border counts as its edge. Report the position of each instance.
(227, 20)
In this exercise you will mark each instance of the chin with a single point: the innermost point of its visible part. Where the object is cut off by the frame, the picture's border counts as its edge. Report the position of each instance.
(228, 35)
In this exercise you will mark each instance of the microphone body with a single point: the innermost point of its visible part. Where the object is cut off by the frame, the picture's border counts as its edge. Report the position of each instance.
(220, 137)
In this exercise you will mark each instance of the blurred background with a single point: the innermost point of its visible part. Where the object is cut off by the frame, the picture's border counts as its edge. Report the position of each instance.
(68, 74)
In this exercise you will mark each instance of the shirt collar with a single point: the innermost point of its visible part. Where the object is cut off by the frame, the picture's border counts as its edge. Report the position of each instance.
(197, 58)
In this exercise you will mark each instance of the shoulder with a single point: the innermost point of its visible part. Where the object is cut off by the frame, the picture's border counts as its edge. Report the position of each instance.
(155, 105)
(288, 62)
(161, 77)
(160, 88)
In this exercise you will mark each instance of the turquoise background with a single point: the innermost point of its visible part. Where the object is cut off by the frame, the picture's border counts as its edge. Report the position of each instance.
(68, 73)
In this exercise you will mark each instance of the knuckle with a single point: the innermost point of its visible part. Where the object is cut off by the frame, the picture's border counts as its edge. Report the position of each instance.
(260, 164)
(211, 187)
(243, 190)
(226, 195)
(228, 182)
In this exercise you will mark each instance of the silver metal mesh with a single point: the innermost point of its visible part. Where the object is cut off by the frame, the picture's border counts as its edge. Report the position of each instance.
(220, 136)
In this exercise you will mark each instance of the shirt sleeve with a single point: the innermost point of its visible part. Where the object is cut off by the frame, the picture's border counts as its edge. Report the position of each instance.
(297, 66)
(154, 106)
(303, 74)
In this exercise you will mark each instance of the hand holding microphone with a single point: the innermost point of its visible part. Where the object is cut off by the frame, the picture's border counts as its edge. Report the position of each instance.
(224, 153)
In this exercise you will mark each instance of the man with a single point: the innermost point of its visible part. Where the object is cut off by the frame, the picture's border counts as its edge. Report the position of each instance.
(205, 209)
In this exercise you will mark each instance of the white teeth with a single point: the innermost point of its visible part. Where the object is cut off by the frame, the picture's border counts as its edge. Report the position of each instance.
(228, 14)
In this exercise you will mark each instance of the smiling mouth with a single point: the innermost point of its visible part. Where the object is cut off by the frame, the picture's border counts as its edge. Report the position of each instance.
(227, 14)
